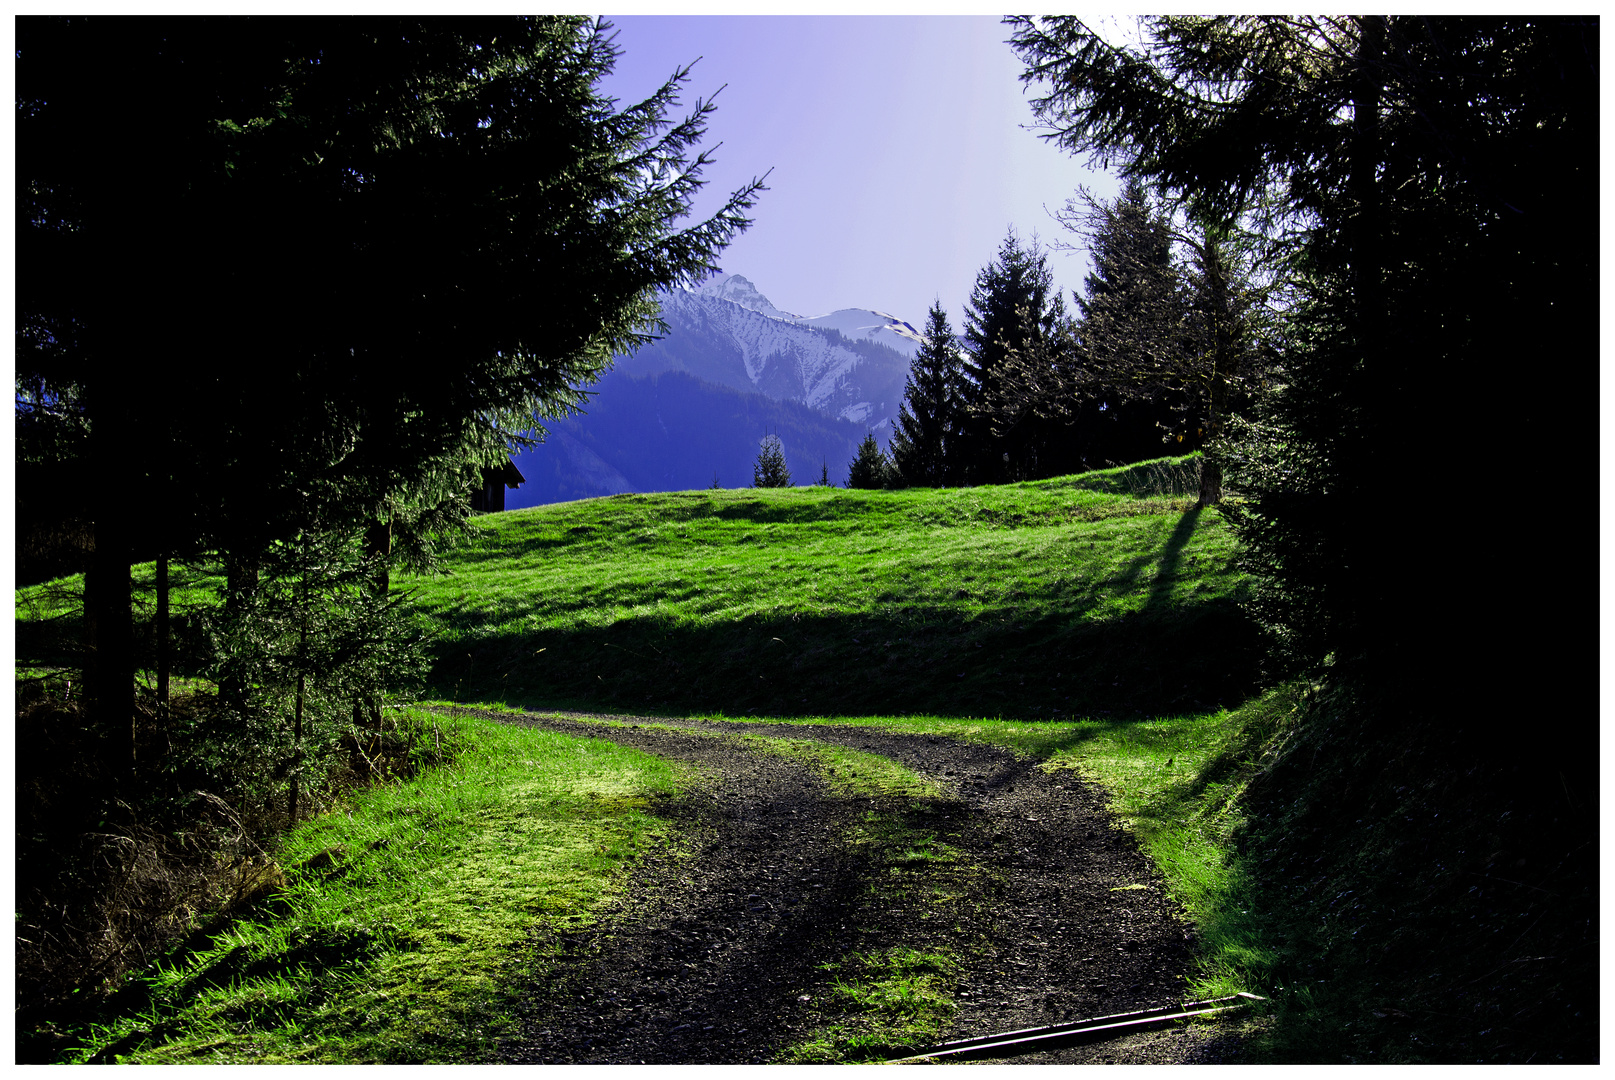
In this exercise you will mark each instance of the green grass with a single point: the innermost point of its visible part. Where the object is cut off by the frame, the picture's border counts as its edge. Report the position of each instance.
(1407, 901)
(1105, 596)
(1105, 591)
(895, 999)
(851, 772)
(1396, 908)
(405, 924)
(1037, 599)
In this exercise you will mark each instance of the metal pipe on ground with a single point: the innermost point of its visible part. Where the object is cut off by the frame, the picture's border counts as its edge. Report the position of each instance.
(1095, 1029)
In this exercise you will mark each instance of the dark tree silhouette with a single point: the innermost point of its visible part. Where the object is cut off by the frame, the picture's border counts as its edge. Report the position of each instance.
(332, 263)
(930, 421)
(871, 468)
(1014, 304)
(1428, 181)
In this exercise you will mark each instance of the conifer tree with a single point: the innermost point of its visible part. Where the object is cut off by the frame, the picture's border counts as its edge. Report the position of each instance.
(1153, 362)
(930, 421)
(1134, 305)
(1136, 360)
(871, 468)
(770, 470)
(1427, 181)
(1014, 305)
(441, 231)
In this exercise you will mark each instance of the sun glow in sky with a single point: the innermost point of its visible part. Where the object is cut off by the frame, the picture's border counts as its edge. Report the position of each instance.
(898, 146)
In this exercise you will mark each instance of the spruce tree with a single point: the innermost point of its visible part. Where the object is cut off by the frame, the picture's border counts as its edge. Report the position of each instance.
(930, 421)
(441, 232)
(1132, 331)
(1428, 183)
(871, 468)
(1013, 305)
(770, 470)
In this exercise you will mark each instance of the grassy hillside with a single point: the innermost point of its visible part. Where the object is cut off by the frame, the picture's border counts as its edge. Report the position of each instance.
(1399, 899)
(1107, 592)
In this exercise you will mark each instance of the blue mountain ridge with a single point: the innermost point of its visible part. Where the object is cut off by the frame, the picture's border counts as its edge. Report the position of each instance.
(670, 431)
(697, 402)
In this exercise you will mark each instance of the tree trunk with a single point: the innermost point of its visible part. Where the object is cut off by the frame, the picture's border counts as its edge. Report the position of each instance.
(109, 622)
(162, 638)
(302, 687)
(297, 753)
(1365, 157)
(378, 544)
(378, 541)
(1224, 361)
(240, 580)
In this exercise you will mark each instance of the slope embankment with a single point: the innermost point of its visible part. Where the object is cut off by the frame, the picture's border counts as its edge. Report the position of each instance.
(1108, 592)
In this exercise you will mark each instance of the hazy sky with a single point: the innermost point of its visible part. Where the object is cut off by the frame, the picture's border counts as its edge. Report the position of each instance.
(897, 146)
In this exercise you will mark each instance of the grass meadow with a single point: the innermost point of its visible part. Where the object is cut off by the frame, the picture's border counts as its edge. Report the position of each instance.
(1041, 599)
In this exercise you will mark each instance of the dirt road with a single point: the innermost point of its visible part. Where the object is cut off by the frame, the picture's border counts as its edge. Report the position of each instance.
(730, 946)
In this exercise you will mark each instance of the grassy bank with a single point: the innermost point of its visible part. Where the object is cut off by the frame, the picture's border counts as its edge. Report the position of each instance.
(1039, 599)
(405, 920)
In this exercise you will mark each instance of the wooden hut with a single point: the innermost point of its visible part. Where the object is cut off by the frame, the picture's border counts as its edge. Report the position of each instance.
(490, 498)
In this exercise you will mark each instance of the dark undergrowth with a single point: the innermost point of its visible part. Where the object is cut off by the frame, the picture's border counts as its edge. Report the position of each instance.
(1405, 899)
(113, 872)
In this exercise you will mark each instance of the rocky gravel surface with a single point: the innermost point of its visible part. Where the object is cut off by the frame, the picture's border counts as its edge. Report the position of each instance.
(724, 948)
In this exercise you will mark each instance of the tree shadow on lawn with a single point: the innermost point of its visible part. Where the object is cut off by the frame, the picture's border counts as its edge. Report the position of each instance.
(996, 662)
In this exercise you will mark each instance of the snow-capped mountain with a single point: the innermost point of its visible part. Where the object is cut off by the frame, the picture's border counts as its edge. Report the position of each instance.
(737, 290)
(851, 364)
(854, 323)
(688, 410)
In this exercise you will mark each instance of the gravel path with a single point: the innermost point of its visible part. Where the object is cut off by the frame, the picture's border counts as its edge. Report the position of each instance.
(715, 956)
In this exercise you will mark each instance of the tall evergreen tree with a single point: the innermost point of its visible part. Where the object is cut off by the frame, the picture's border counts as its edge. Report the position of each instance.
(1429, 179)
(931, 419)
(1163, 343)
(1104, 385)
(439, 231)
(1013, 305)
(1132, 331)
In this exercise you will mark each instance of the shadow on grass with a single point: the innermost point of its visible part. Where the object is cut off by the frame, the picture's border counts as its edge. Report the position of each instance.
(903, 660)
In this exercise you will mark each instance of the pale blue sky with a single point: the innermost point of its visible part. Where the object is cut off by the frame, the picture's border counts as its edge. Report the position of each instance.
(897, 146)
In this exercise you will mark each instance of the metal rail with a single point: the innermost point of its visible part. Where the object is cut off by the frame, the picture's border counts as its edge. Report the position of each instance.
(1032, 1040)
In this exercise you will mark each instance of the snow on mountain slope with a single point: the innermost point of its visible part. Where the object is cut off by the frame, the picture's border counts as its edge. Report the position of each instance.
(875, 326)
(851, 364)
(737, 290)
(851, 323)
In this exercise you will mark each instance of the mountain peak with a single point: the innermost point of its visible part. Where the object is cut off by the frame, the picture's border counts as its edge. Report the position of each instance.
(738, 290)
(852, 323)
